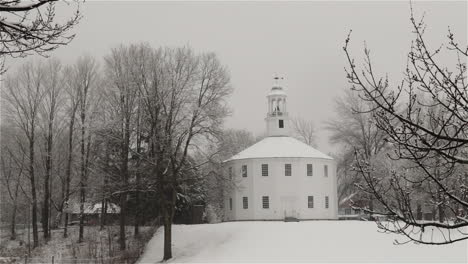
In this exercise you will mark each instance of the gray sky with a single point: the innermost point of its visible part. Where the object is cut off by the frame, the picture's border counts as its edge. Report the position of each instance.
(301, 41)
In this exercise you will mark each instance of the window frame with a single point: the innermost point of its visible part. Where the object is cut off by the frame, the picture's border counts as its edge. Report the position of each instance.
(244, 171)
(325, 170)
(264, 168)
(266, 201)
(310, 202)
(286, 167)
(230, 204)
(311, 170)
(280, 123)
(327, 202)
(245, 202)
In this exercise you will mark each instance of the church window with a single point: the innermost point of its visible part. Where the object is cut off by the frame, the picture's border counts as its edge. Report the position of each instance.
(287, 169)
(264, 169)
(326, 201)
(244, 170)
(281, 123)
(325, 170)
(230, 203)
(266, 202)
(310, 201)
(245, 202)
(309, 170)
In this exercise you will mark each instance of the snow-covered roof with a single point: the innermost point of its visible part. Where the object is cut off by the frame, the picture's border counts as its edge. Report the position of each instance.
(279, 147)
(91, 208)
(347, 198)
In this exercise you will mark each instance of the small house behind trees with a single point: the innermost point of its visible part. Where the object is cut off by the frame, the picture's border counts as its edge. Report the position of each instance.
(92, 212)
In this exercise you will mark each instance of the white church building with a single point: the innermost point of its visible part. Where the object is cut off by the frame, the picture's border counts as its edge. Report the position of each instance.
(279, 177)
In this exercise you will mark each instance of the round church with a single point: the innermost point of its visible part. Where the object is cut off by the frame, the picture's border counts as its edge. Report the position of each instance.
(279, 177)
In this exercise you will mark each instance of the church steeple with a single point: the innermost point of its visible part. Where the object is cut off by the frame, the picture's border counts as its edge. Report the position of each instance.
(277, 119)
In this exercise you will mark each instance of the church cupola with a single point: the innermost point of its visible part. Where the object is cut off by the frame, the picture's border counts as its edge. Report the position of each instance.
(277, 119)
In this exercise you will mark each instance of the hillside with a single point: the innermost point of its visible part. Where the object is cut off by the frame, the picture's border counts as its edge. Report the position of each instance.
(311, 241)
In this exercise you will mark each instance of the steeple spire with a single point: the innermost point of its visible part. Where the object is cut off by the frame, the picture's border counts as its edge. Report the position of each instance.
(277, 119)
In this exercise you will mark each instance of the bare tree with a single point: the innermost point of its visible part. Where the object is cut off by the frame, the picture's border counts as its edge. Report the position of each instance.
(85, 74)
(424, 118)
(24, 95)
(49, 109)
(233, 141)
(28, 27)
(183, 100)
(353, 128)
(12, 171)
(123, 91)
(303, 130)
(72, 99)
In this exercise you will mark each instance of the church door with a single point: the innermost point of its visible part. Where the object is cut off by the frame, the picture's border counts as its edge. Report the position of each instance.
(288, 204)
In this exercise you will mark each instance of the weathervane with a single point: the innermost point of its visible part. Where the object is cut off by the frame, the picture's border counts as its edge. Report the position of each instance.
(277, 78)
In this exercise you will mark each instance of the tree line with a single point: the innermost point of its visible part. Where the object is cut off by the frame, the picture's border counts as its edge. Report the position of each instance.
(137, 130)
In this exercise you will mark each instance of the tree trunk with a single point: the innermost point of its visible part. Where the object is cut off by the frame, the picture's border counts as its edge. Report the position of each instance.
(65, 220)
(13, 223)
(103, 213)
(138, 176)
(57, 220)
(419, 215)
(68, 170)
(371, 206)
(82, 178)
(137, 193)
(137, 206)
(125, 145)
(82, 201)
(46, 213)
(104, 192)
(167, 237)
(45, 204)
(168, 212)
(15, 206)
(122, 221)
(33, 189)
(441, 211)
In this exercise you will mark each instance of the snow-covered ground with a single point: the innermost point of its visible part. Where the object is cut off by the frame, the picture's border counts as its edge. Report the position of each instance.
(308, 241)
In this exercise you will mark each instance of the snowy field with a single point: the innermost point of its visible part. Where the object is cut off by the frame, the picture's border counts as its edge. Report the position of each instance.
(308, 241)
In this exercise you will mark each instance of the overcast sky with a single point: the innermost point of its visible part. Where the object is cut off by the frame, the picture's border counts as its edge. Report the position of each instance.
(301, 41)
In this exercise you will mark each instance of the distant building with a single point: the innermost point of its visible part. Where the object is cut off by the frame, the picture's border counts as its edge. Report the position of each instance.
(280, 177)
(92, 212)
(349, 207)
